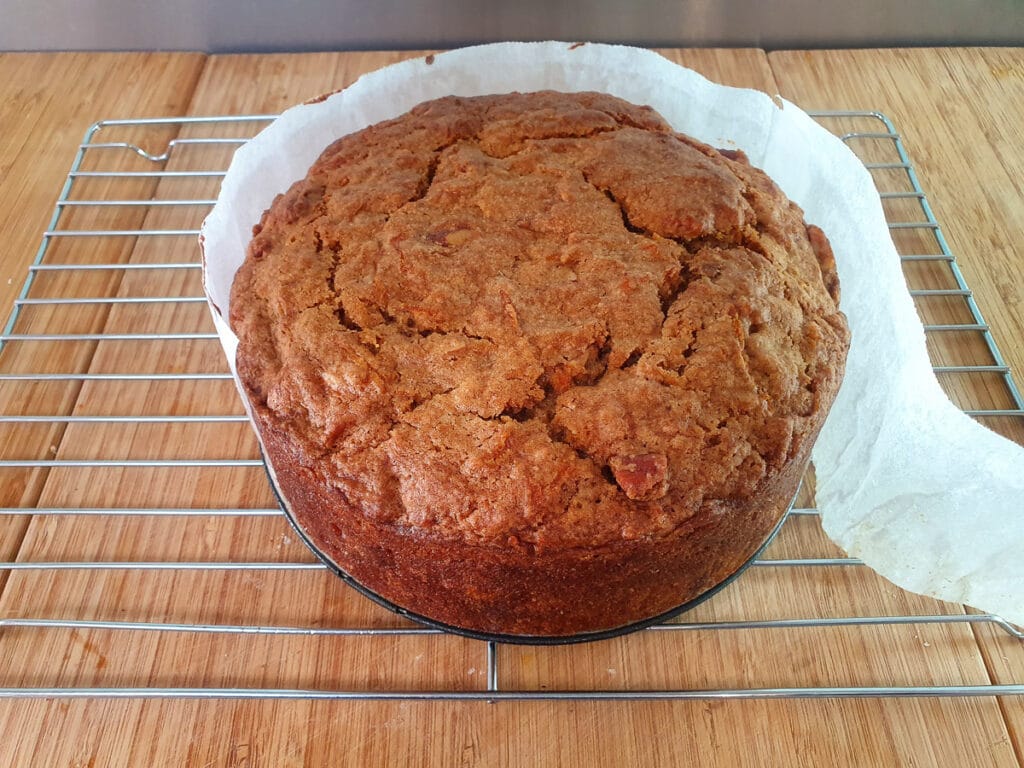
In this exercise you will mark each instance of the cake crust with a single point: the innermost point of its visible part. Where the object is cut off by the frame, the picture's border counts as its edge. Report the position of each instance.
(535, 363)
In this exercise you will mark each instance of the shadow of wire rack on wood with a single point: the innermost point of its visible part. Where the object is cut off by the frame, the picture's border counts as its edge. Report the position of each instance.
(89, 298)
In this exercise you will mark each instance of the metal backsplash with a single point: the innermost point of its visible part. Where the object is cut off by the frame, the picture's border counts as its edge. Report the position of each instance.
(303, 25)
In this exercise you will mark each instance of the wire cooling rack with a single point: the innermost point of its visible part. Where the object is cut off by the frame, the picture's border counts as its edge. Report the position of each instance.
(113, 280)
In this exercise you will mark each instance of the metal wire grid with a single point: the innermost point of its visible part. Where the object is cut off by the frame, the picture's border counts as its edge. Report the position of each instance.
(914, 193)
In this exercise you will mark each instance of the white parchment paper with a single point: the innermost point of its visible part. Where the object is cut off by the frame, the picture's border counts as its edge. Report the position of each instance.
(927, 497)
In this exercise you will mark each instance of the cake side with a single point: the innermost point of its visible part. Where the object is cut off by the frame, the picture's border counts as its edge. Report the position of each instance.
(515, 590)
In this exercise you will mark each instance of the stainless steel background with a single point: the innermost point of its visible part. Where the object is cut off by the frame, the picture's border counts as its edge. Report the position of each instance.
(302, 25)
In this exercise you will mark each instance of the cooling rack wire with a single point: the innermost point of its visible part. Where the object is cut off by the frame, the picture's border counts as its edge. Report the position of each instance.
(139, 205)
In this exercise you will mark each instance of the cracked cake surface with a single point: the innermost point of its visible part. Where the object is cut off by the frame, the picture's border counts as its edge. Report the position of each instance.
(534, 326)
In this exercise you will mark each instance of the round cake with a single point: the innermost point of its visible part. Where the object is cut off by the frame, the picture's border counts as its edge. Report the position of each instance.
(535, 364)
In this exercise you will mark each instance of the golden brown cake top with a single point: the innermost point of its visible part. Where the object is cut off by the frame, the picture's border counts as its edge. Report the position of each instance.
(539, 320)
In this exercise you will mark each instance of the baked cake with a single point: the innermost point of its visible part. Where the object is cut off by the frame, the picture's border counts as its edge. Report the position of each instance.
(535, 364)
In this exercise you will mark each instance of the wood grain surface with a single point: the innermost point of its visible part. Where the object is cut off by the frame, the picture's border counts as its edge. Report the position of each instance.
(969, 159)
(966, 122)
(47, 101)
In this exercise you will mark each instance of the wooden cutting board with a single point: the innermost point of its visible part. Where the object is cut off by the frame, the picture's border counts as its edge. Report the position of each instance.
(960, 112)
